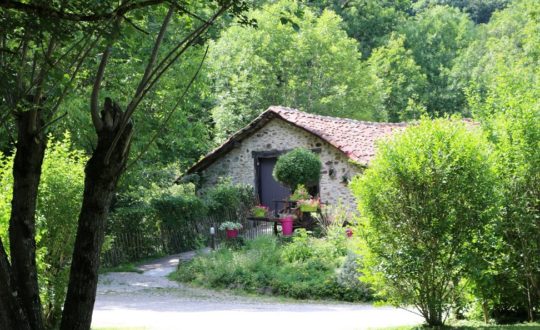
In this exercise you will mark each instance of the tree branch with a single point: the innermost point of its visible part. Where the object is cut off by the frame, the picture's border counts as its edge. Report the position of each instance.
(53, 13)
(155, 50)
(79, 61)
(138, 28)
(169, 115)
(156, 74)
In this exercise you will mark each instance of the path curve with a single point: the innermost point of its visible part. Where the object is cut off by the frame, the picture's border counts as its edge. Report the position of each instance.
(151, 301)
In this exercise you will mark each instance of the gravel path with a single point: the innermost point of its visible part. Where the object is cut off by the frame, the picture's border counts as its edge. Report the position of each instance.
(150, 301)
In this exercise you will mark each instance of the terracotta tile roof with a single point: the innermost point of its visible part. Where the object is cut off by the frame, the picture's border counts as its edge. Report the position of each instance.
(354, 138)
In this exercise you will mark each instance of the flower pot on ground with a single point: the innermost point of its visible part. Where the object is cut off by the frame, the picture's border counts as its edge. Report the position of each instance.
(287, 225)
(231, 228)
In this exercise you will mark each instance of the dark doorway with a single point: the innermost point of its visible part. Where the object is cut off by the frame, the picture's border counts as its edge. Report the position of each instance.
(270, 190)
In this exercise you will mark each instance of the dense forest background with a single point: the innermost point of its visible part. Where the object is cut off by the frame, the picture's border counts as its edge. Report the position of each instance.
(362, 59)
(376, 60)
(389, 60)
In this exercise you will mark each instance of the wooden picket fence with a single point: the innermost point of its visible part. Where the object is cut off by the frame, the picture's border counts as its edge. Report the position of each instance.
(134, 246)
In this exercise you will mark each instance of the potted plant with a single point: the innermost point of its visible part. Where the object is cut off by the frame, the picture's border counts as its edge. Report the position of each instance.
(300, 193)
(259, 211)
(298, 167)
(231, 228)
(309, 205)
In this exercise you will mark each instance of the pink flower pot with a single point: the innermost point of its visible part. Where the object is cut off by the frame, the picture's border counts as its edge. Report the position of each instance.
(232, 233)
(287, 225)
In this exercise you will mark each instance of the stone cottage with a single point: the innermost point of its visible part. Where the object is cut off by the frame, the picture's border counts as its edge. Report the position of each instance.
(345, 147)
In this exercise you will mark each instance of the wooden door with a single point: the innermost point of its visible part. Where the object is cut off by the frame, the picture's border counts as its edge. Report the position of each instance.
(270, 190)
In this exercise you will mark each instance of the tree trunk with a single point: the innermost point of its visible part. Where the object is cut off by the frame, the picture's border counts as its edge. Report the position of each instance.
(11, 314)
(31, 146)
(99, 187)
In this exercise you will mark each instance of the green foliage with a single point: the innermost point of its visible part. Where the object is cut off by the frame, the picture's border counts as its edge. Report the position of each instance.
(300, 193)
(369, 21)
(507, 104)
(179, 210)
(228, 200)
(59, 198)
(298, 167)
(436, 37)
(503, 58)
(427, 202)
(306, 268)
(501, 79)
(397, 80)
(480, 11)
(172, 219)
(311, 65)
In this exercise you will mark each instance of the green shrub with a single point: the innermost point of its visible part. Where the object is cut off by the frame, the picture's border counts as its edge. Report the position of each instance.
(179, 212)
(58, 205)
(298, 167)
(228, 200)
(306, 268)
(515, 293)
(426, 200)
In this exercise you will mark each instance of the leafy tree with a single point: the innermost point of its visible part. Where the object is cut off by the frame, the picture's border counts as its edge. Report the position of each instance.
(398, 80)
(505, 98)
(509, 43)
(308, 63)
(517, 132)
(425, 200)
(368, 21)
(112, 124)
(436, 37)
(58, 205)
(480, 11)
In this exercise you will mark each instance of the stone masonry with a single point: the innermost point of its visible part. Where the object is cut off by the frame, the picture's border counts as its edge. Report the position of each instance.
(279, 135)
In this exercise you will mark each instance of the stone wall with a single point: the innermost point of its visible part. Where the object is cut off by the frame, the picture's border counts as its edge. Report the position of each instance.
(279, 135)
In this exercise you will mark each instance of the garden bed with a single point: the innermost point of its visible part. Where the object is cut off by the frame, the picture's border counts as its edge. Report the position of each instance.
(302, 268)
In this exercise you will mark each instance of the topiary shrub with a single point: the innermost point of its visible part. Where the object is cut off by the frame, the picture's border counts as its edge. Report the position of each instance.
(298, 167)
